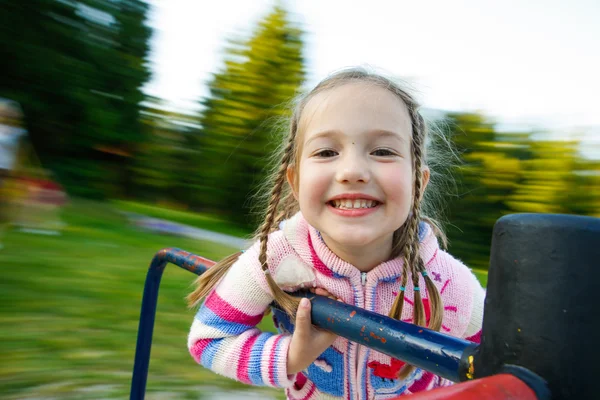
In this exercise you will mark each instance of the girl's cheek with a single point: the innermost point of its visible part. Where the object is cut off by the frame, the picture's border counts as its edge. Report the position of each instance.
(396, 183)
(395, 175)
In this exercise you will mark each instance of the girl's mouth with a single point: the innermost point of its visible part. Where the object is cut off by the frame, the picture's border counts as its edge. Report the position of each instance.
(353, 204)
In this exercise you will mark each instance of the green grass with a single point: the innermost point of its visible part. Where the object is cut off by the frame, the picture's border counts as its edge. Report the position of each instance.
(70, 309)
(482, 275)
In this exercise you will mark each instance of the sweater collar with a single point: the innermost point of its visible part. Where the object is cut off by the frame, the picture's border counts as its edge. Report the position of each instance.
(309, 245)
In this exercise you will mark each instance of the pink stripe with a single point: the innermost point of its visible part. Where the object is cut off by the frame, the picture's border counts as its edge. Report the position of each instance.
(432, 258)
(229, 313)
(272, 363)
(451, 308)
(244, 360)
(310, 392)
(317, 263)
(444, 287)
(476, 338)
(422, 383)
(198, 348)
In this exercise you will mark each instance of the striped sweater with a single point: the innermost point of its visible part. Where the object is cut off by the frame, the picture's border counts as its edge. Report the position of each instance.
(224, 337)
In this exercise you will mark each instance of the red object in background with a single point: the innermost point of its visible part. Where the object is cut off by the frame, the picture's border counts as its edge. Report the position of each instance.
(496, 387)
(44, 191)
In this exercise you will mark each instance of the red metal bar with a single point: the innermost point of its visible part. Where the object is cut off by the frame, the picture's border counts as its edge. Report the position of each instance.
(495, 387)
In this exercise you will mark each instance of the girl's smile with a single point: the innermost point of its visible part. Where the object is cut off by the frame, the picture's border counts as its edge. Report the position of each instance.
(354, 204)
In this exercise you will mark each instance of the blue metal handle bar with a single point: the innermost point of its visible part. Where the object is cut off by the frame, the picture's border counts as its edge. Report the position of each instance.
(443, 355)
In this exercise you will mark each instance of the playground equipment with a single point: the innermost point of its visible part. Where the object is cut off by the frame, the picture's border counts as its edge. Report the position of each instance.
(538, 327)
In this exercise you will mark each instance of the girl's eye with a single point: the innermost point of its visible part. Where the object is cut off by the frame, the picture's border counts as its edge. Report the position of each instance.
(383, 153)
(326, 153)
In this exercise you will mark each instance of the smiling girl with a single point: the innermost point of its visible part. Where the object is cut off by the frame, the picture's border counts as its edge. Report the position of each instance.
(344, 219)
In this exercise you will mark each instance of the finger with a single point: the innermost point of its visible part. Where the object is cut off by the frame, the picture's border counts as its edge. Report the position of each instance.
(303, 326)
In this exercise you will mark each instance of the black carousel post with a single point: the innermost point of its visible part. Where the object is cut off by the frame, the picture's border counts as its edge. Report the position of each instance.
(541, 303)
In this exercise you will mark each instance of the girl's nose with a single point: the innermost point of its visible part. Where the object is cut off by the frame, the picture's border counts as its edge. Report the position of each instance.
(353, 169)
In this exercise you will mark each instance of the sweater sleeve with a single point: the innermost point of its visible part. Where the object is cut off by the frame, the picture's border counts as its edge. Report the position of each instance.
(224, 337)
(473, 332)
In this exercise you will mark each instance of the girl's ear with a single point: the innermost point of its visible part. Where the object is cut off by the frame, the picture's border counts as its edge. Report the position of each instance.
(292, 179)
(425, 174)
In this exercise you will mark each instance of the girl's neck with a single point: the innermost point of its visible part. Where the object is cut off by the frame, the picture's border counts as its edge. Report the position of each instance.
(364, 258)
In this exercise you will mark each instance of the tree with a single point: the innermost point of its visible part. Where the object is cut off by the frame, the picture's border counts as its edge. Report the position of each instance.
(511, 173)
(556, 179)
(168, 144)
(489, 173)
(258, 78)
(77, 68)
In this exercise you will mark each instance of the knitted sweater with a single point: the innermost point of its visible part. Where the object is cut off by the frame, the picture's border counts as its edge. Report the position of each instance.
(224, 336)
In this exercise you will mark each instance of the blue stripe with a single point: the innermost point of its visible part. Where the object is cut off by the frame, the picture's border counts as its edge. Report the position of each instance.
(355, 291)
(207, 317)
(276, 357)
(208, 355)
(349, 369)
(423, 230)
(254, 373)
(364, 368)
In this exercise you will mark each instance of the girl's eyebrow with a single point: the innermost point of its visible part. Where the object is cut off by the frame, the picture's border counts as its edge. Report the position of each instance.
(372, 133)
(324, 134)
(385, 133)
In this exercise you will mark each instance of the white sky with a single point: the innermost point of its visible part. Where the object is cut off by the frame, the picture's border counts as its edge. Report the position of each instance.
(520, 61)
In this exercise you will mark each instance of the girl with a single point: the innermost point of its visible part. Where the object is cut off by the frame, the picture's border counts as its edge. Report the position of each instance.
(348, 198)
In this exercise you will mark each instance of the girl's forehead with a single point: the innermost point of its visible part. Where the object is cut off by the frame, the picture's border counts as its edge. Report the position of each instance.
(352, 107)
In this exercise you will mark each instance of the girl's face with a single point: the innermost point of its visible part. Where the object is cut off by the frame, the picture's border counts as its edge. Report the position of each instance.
(354, 179)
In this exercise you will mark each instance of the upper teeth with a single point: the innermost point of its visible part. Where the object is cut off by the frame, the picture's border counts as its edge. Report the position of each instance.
(357, 203)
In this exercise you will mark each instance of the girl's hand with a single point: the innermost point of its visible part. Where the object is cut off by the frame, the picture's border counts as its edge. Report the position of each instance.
(308, 341)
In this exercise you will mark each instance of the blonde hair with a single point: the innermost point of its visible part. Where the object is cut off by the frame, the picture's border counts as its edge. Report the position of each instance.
(281, 205)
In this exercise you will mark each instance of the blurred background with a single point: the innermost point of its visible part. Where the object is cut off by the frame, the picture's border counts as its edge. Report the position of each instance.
(128, 126)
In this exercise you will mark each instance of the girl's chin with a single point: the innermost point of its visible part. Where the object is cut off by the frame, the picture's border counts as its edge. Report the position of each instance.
(350, 242)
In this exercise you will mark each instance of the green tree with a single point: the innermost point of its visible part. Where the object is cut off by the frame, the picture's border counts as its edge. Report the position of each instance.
(513, 172)
(251, 90)
(556, 179)
(170, 146)
(77, 68)
(489, 173)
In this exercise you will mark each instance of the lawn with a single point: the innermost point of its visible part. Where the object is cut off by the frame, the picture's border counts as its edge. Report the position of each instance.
(70, 309)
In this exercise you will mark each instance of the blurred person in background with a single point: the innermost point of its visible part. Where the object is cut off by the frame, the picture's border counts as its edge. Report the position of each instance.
(11, 134)
(30, 196)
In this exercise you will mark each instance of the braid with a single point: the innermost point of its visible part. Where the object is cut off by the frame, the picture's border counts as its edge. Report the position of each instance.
(408, 241)
(287, 207)
(284, 300)
(415, 259)
(435, 300)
